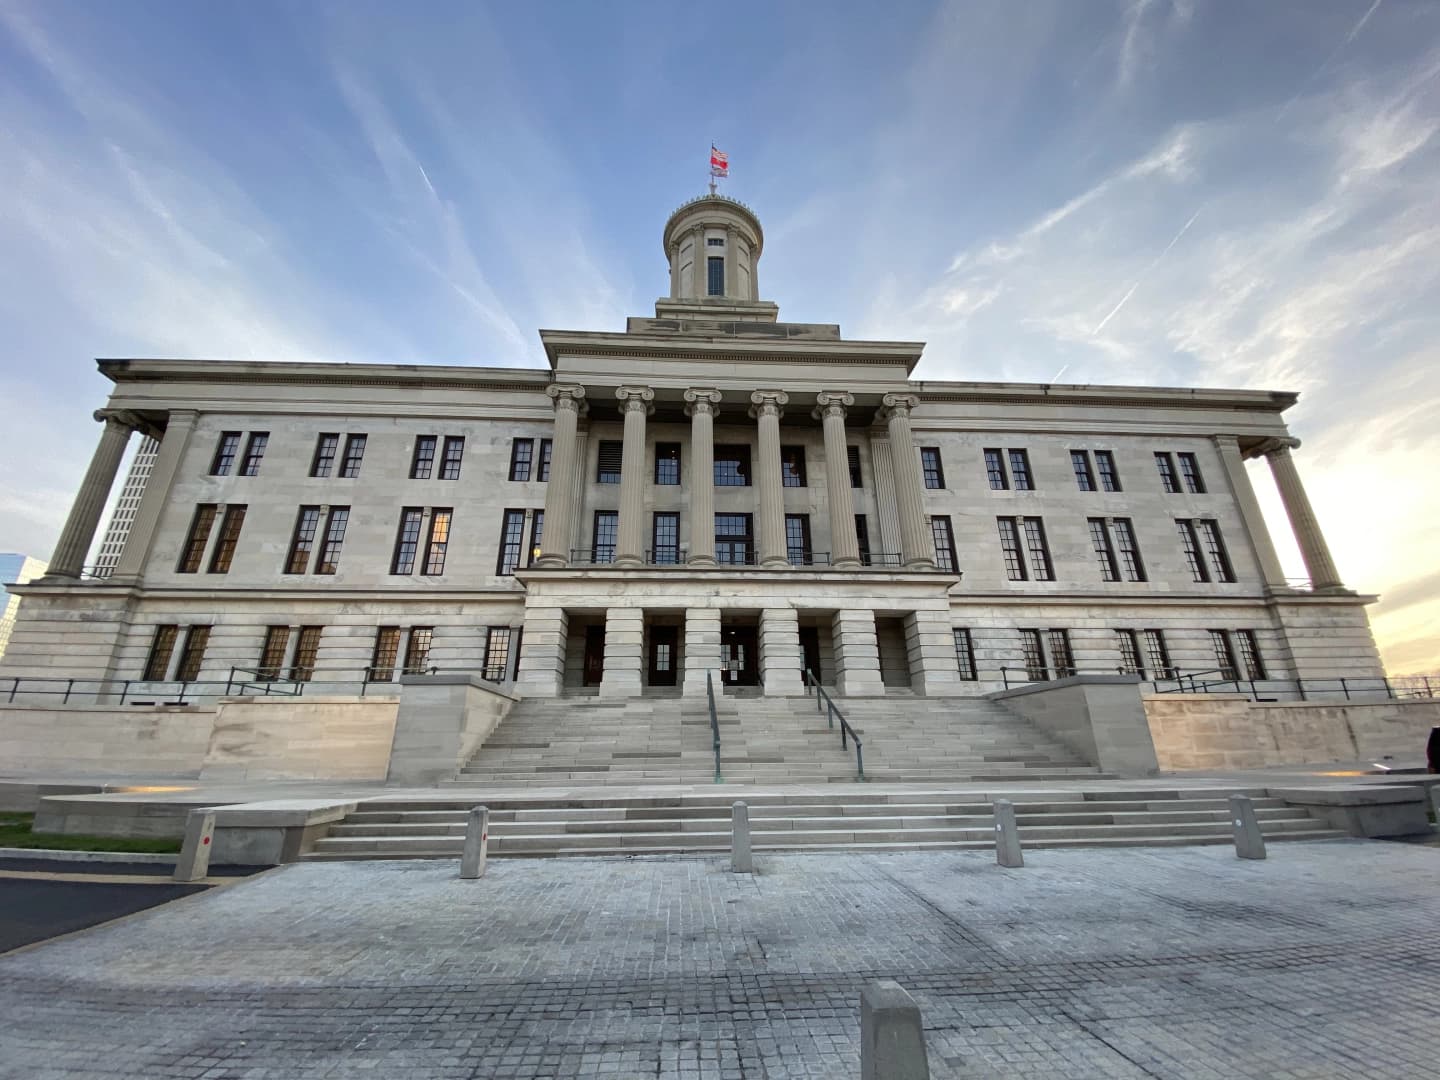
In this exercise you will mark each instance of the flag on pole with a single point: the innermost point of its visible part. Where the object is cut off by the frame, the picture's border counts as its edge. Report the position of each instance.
(719, 162)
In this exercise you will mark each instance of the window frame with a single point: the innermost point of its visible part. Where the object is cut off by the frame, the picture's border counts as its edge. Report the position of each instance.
(422, 458)
(512, 542)
(227, 447)
(327, 558)
(712, 264)
(1224, 655)
(1127, 546)
(1190, 474)
(1252, 664)
(942, 535)
(1062, 657)
(1131, 661)
(442, 522)
(537, 537)
(1012, 552)
(932, 468)
(799, 548)
(498, 639)
(671, 547)
(1222, 570)
(1106, 471)
(605, 523)
(1037, 547)
(1157, 654)
(1194, 554)
(739, 455)
(1169, 478)
(322, 462)
(383, 655)
(667, 453)
(862, 539)
(407, 540)
(192, 553)
(965, 654)
(995, 470)
(307, 651)
(792, 466)
(227, 539)
(418, 643)
(522, 455)
(1022, 478)
(302, 539)
(452, 457)
(852, 462)
(353, 457)
(272, 652)
(1084, 471)
(733, 540)
(1104, 548)
(547, 449)
(162, 651)
(609, 452)
(255, 446)
(192, 654)
(1032, 654)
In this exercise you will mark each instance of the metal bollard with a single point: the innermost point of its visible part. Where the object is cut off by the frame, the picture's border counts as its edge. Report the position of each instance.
(1007, 835)
(477, 843)
(194, 861)
(1249, 841)
(740, 861)
(892, 1039)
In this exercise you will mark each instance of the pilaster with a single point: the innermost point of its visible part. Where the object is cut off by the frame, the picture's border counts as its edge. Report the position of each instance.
(930, 646)
(780, 653)
(624, 652)
(131, 565)
(857, 654)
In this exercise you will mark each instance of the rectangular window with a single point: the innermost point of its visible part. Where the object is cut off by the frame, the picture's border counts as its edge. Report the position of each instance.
(797, 540)
(382, 657)
(537, 536)
(1020, 470)
(422, 462)
(1254, 667)
(1129, 643)
(792, 466)
(194, 550)
(995, 470)
(715, 279)
(1104, 552)
(714, 241)
(407, 540)
(192, 653)
(852, 458)
(1080, 462)
(254, 451)
(546, 446)
(1190, 473)
(307, 647)
(512, 539)
(354, 454)
(965, 654)
(1157, 656)
(1033, 651)
(1166, 466)
(225, 451)
(1191, 543)
(272, 654)
(450, 457)
(497, 653)
(734, 540)
(667, 463)
(944, 537)
(1129, 548)
(328, 560)
(1010, 549)
(162, 647)
(732, 466)
(417, 649)
(326, 446)
(439, 540)
(1224, 656)
(230, 527)
(607, 461)
(1060, 655)
(931, 468)
(521, 451)
(665, 539)
(1040, 568)
(1105, 466)
(1215, 550)
(307, 522)
(862, 538)
(605, 532)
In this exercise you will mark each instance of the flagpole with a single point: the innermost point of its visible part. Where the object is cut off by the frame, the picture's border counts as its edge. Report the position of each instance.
(712, 168)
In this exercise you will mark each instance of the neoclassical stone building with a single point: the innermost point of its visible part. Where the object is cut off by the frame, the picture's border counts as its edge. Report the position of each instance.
(710, 490)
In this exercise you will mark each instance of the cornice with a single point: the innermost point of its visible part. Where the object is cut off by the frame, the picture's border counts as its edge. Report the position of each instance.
(396, 376)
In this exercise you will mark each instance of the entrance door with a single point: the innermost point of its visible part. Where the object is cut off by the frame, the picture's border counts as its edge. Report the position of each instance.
(594, 654)
(739, 656)
(662, 655)
(810, 649)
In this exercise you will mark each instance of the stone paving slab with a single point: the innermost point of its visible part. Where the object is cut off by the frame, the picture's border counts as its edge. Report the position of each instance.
(1178, 963)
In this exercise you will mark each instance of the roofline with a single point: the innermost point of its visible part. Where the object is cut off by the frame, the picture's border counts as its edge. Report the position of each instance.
(728, 346)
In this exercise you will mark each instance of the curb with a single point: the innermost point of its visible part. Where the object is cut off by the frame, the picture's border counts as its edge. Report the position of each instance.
(146, 857)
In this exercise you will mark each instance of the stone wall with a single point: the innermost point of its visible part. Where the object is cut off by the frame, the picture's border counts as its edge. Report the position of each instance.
(82, 740)
(335, 738)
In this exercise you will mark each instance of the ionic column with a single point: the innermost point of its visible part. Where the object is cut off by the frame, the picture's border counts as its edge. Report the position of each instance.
(915, 546)
(635, 404)
(79, 532)
(555, 542)
(697, 264)
(767, 409)
(732, 272)
(1313, 548)
(178, 428)
(702, 405)
(830, 409)
(1240, 486)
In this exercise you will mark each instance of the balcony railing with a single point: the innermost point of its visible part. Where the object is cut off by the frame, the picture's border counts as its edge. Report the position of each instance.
(882, 559)
(808, 558)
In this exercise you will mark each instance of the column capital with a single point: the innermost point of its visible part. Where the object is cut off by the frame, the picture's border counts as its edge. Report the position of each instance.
(1274, 447)
(768, 403)
(122, 418)
(567, 396)
(897, 405)
(636, 398)
(702, 401)
(832, 403)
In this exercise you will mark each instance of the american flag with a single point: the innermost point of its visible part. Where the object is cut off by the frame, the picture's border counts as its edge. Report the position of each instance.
(719, 162)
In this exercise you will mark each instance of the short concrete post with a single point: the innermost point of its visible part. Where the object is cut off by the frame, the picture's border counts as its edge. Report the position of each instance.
(194, 861)
(740, 861)
(1435, 803)
(477, 843)
(892, 1040)
(1007, 835)
(1249, 841)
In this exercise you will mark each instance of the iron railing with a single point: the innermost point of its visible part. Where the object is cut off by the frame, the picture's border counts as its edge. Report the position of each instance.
(714, 723)
(1034, 673)
(832, 713)
(882, 559)
(666, 556)
(808, 558)
(1348, 687)
(599, 556)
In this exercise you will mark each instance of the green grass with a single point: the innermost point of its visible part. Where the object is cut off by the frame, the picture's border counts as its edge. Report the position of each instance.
(15, 832)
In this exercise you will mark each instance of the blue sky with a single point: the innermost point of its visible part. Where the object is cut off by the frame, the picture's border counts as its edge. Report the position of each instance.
(1219, 193)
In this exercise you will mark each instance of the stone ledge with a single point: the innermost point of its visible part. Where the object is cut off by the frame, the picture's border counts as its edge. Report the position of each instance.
(1351, 795)
(1060, 684)
(460, 678)
(1370, 810)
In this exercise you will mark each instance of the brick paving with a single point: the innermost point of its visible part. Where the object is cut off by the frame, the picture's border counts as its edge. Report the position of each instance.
(1317, 963)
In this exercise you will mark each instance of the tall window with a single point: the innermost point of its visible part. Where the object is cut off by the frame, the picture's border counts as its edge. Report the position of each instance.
(307, 523)
(450, 457)
(439, 540)
(1129, 644)
(382, 657)
(797, 540)
(734, 540)
(162, 647)
(194, 550)
(1020, 470)
(1166, 466)
(1104, 552)
(1040, 568)
(407, 540)
(608, 460)
(417, 649)
(931, 468)
(307, 647)
(192, 653)
(1080, 462)
(1129, 547)
(537, 536)
(1105, 466)
(546, 446)
(1032, 650)
(354, 454)
(715, 275)
(667, 463)
(512, 538)
(732, 465)
(965, 654)
(521, 453)
(862, 538)
(422, 462)
(1010, 549)
(326, 446)
(995, 470)
(852, 459)
(1215, 550)
(606, 531)
(225, 546)
(254, 451)
(1060, 656)
(1254, 667)
(497, 653)
(225, 451)
(792, 466)
(665, 539)
(1224, 657)
(1157, 656)
(328, 561)
(944, 537)
(272, 653)
(1190, 542)
(1190, 473)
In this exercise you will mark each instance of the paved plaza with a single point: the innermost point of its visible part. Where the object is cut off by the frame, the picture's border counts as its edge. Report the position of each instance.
(1319, 962)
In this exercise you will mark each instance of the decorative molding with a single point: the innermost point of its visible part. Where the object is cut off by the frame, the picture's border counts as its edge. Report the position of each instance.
(1282, 444)
(568, 396)
(768, 402)
(702, 401)
(832, 402)
(636, 398)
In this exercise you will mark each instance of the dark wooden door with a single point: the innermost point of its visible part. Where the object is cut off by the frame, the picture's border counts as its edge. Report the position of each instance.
(810, 649)
(594, 654)
(740, 656)
(662, 655)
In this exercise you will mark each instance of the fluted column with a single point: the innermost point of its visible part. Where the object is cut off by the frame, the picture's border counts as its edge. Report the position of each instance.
(79, 532)
(635, 404)
(845, 545)
(767, 408)
(1313, 548)
(916, 548)
(702, 405)
(555, 541)
(131, 564)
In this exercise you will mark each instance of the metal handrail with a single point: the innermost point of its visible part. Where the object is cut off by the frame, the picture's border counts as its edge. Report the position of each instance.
(832, 711)
(672, 556)
(809, 558)
(714, 724)
(882, 558)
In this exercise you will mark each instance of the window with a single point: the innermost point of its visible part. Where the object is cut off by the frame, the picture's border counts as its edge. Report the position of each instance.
(604, 535)
(307, 647)
(1020, 470)
(1032, 649)
(667, 463)
(382, 657)
(354, 454)
(329, 559)
(417, 649)
(797, 540)
(715, 279)
(792, 466)
(944, 537)
(301, 544)
(1157, 656)
(1191, 543)
(323, 463)
(497, 653)
(1250, 654)
(1129, 644)
(1060, 655)
(1129, 551)
(734, 540)
(162, 646)
(192, 653)
(862, 538)
(450, 457)
(422, 462)
(512, 537)
(537, 534)
(607, 462)
(732, 466)
(995, 470)
(852, 458)
(931, 468)
(1224, 657)
(1040, 568)
(230, 527)
(521, 451)
(1080, 462)
(665, 539)
(225, 451)
(1215, 549)
(1129, 547)
(1166, 465)
(254, 451)
(439, 540)
(546, 446)
(1105, 466)
(1190, 472)
(714, 241)
(407, 541)
(272, 654)
(965, 654)
(1104, 552)
(199, 535)
(1010, 549)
